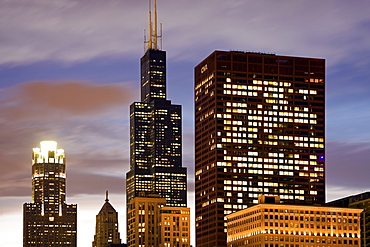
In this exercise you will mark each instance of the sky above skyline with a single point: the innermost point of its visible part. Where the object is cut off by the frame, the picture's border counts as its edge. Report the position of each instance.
(70, 69)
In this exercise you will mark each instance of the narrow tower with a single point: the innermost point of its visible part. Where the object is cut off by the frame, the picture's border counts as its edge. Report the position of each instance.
(48, 220)
(106, 229)
(155, 132)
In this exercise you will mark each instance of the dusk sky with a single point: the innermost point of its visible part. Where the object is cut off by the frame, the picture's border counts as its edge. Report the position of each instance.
(69, 69)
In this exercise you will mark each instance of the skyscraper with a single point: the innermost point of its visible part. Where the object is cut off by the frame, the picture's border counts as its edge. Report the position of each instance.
(48, 220)
(106, 229)
(259, 129)
(155, 132)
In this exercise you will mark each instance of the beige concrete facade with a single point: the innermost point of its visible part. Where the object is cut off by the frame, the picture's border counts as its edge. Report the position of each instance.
(175, 227)
(143, 221)
(279, 225)
(151, 224)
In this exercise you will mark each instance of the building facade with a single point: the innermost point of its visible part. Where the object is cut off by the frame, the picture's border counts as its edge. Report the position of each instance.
(259, 129)
(143, 221)
(361, 201)
(152, 224)
(48, 220)
(156, 133)
(270, 225)
(175, 226)
(106, 229)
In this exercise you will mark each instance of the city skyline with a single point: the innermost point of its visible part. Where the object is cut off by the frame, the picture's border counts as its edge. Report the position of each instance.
(96, 62)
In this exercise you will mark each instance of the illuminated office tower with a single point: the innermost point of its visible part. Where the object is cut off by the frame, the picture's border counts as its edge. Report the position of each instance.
(259, 129)
(155, 132)
(48, 220)
(106, 229)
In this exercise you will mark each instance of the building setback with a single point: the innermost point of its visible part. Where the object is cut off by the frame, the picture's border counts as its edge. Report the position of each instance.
(106, 228)
(259, 129)
(270, 225)
(48, 220)
(155, 133)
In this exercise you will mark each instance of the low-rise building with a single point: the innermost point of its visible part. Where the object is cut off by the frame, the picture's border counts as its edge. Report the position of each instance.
(362, 201)
(151, 223)
(281, 225)
(175, 226)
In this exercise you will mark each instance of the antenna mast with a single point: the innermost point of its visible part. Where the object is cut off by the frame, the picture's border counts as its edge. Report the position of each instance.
(155, 36)
(152, 42)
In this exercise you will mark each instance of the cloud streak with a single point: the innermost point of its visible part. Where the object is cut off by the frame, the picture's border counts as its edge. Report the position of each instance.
(75, 31)
(348, 165)
(35, 100)
(73, 98)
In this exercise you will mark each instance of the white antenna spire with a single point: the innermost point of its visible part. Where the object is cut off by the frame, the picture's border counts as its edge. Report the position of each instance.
(152, 42)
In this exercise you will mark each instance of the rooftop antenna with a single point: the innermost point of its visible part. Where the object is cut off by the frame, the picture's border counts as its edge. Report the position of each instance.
(155, 35)
(152, 42)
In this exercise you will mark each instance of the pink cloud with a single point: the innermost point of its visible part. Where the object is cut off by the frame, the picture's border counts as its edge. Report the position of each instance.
(35, 100)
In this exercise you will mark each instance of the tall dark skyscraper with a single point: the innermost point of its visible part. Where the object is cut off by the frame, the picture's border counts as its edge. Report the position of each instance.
(155, 132)
(259, 129)
(48, 220)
